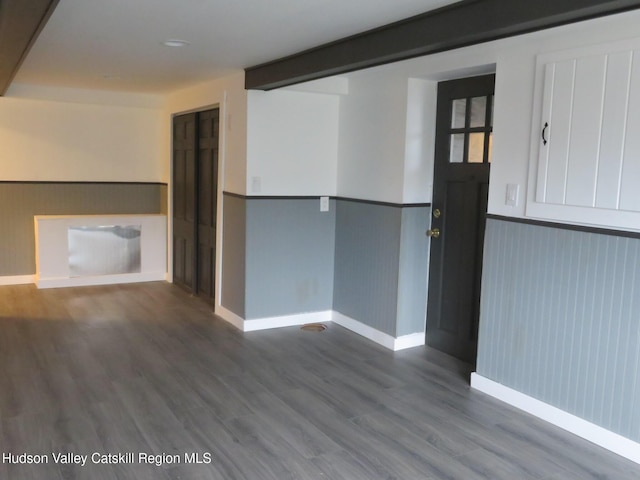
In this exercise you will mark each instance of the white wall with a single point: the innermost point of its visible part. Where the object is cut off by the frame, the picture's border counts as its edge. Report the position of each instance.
(372, 137)
(515, 78)
(229, 94)
(292, 143)
(50, 134)
(419, 141)
(387, 119)
(387, 126)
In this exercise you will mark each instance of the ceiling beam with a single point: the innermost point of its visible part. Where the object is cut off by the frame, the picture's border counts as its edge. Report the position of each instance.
(20, 24)
(461, 24)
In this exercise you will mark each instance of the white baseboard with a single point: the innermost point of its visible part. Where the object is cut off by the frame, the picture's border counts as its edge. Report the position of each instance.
(366, 331)
(595, 434)
(409, 341)
(100, 280)
(230, 317)
(286, 321)
(17, 279)
(381, 338)
(326, 316)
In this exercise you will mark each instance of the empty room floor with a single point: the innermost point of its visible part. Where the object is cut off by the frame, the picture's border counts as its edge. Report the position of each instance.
(147, 370)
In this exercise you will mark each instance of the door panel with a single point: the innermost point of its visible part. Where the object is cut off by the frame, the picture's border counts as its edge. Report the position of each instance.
(461, 179)
(195, 180)
(207, 201)
(184, 200)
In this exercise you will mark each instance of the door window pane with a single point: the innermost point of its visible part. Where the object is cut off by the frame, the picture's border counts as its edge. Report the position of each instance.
(476, 147)
(491, 120)
(490, 147)
(458, 112)
(478, 111)
(456, 152)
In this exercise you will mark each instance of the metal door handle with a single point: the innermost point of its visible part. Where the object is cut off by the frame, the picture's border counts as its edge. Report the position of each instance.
(544, 140)
(433, 232)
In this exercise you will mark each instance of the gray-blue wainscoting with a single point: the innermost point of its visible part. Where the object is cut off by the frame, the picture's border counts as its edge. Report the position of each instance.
(20, 201)
(289, 261)
(365, 260)
(381, 265)
(560, 320)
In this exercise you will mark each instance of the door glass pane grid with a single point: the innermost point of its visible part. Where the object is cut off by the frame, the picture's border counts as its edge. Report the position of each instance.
(471, 130)
(478, 115)
(476, 148)
(456, 148)
(459, 113)
(491, 112)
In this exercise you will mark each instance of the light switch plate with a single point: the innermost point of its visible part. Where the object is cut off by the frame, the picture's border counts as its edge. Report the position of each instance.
(511, 198)
(324, 204)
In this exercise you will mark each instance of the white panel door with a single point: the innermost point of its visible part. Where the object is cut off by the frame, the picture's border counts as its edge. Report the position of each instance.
(584, 137)
(630, 182)
(559, 109)
(614, 119)
(586, 146)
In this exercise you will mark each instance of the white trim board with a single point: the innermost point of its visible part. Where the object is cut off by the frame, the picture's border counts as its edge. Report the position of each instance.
(381, 338)
(286, 321)
(326, 316)
(229, 317)
(595, 434)
(17, 279)
(409, 341)
(100, 280)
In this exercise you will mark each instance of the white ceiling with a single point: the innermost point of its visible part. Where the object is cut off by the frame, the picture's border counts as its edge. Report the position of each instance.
(116, 44)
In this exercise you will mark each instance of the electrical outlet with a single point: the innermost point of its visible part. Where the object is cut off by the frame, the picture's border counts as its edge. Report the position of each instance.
(324, 204)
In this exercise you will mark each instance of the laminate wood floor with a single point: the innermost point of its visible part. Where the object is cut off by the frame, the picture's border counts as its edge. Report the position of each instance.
(147, 369)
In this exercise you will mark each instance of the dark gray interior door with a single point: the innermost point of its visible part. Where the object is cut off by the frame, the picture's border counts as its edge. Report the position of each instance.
(207, 201)
(461, 180)
(195, 194)
(184, 200)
